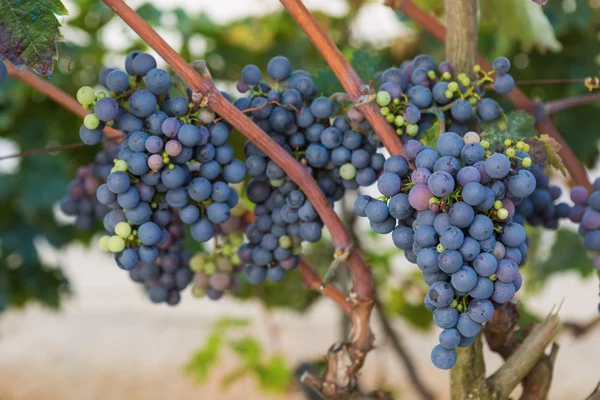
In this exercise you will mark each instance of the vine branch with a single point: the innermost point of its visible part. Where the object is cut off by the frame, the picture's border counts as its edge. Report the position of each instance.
(516, 96)
(349, 79)
(313, 280)
(556, 106)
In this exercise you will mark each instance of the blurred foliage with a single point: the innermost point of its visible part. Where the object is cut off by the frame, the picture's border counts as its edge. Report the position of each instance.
(271, 372)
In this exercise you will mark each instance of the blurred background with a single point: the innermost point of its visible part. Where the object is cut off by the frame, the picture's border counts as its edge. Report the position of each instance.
(74, 327)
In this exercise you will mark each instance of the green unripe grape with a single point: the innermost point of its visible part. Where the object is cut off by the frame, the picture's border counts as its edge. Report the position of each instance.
(510, 152)
(526, 162)
(526, 148)
(198, 292)
(227, 250)
(448, 94)
(116, 244)
(493, 277)
(121, 165)
(502, 213)
(103, 243)
(459, 308)
(485, 144)
(412, 129)
(197, 262)
(453, 303)
(110, 123)
(520, 145)
(235, 259)
(390, 118)
(91, 121)
(384, 111)
(236, 240)
(431, 74)
(383, 98)
(476, 68)
(508, 142)
(453, 86)
(434, 200)
(210, 268)
(399, 131)
(472, 101)
(86, 96)
(399, 120)
(277, 182)
(348, 171)
(100, 95)
(497, 204)
(461, 76)
(465, 81)
(224, 265)
(446, 76)
(440, 248)
(396, 101)
(285, 242)
(171, 166)
(123, 230)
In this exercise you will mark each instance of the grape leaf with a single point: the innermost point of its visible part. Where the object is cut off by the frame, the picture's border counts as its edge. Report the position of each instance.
(150, 13)
(364, 64)
(516, 126)
(430, 136)
(29, 31)
(552, 146)
(326, 82)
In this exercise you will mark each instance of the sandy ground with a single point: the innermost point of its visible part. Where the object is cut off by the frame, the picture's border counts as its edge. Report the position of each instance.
(108, 342)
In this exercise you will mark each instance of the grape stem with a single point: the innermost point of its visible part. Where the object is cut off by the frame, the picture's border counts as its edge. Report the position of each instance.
(349, 79)
(312, 279)
(55, 94)
(555, 106)
(431, 24)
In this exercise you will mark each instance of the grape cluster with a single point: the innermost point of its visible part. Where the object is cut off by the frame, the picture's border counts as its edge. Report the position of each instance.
(453, 216)
(175, 167)
(412, 96)
(338, 152)
(541, 208)
(587, 213)
(81, 201)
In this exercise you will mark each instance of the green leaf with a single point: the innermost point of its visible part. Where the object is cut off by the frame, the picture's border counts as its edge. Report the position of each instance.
(326, 82)
(29, 31)
(430, 136)
(248, 349)
(552, 147)
(522, 21)
(412, 310)
(227, 323)
(150, 13)
(364, 64)
(233, 376)
(205, 358)
(568, 254)
(274, 375)
(516, 125)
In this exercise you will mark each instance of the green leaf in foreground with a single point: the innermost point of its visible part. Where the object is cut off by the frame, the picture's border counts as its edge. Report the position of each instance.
(29, 31)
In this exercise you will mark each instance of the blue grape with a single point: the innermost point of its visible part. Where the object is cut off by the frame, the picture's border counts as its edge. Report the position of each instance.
(466, 326)
(461, 214)
(443, 358)
(445, 317)
(441, 294)
(117, 81)
(158, 81)
(504, 84)
(452, 238)
(483, 289)
(449, 338)
(441, 184)
(464, 279)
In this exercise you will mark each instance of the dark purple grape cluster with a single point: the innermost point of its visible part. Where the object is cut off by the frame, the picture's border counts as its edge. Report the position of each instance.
(453, 217)
(587, 213)
(173, 167)
(541, 207)
(420, 91)
(339, 153)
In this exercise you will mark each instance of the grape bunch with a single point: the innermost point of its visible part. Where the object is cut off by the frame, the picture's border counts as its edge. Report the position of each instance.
(541, 207)
(412, 96)
(339, 153)
(588, 216)
(453, 216)
(81, 201)
(175, 167)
